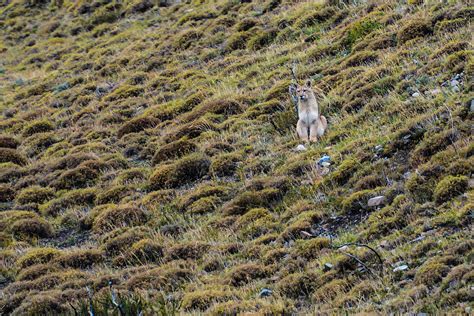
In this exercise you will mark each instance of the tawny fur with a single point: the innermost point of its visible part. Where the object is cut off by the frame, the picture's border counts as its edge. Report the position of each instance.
(311, 124)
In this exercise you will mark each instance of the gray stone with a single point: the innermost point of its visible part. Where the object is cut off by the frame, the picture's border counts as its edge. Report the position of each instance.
(403, 267)
(416, 94)
(454, 83)
(376, 201)
(472, 106)
(300, 147)
(327, 266)
(265, 292)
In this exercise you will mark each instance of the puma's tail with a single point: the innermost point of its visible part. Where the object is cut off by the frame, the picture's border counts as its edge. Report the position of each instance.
(324, 122)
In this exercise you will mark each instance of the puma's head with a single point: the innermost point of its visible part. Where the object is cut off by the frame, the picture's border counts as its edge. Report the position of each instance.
(304, 92)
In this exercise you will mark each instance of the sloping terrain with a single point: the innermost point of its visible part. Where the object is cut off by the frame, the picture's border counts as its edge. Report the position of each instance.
(147, 157)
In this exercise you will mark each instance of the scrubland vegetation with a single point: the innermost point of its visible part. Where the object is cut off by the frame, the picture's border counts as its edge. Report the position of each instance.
(147, 157)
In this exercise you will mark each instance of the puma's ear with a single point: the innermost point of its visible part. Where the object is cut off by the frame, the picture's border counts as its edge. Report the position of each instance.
(308, 83)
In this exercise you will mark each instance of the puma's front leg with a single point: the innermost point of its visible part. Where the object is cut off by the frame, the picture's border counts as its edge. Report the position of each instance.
(313, 132)
(302, 130)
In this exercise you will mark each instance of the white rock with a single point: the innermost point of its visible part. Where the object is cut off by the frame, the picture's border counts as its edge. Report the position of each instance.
(415, 95)
(300, 147)
(325, 164)
(401, 268)
(376, 201)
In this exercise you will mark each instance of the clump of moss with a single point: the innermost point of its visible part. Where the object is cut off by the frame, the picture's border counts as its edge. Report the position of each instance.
(262, 39)
(186, 38)
(122, 216)
(121, 239)
(202, 300)
(431, 272)
(186, 170)
(75, 198)
(330, 291)
(7, 194)
(357, 201)
(450, 187)
(432, 144)
(203, 191)
(173, 150)
(361, 58)
(80, 259)
(38, 127)
(360, 29)
(114, 194)
(261, 192)
(450, 25)
(204, 205)
(344, 171)
(12, 155)
(34, 272)
(143, 251)
(419, 188)
(302, 222)
(245, 273)
(300, 284)
(225, 164)
(189, 250)
(237, 40)
(37, 256)
(76, 178)
(31, 228)
(165, 278)
(311, 249)
(136, 125)
(8, 142)
(414, 28)
(225, 107)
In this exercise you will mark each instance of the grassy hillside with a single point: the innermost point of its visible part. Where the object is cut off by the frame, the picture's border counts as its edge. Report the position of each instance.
(147, 157)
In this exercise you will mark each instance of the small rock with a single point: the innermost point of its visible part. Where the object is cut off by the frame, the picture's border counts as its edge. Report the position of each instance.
(470, 183)
(416, 94)
(306, 234)
(406, 175)
(376, 201)
(454, 83)
(472, 106)
(403, 267)
(417, 239)
(435, 91)
(265, 293)
(324, 158)
(456, 89)
(327, 266)
(378, 148)
(300, 147)
(325, 164)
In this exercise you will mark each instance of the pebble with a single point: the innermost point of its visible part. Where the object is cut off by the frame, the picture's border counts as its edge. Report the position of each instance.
(415, 95)
(325, 164)
(300, 147)
(403, 267)
(324, 158)
(327, 266)
(472, 106)
(265, 293)
(376, 201)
